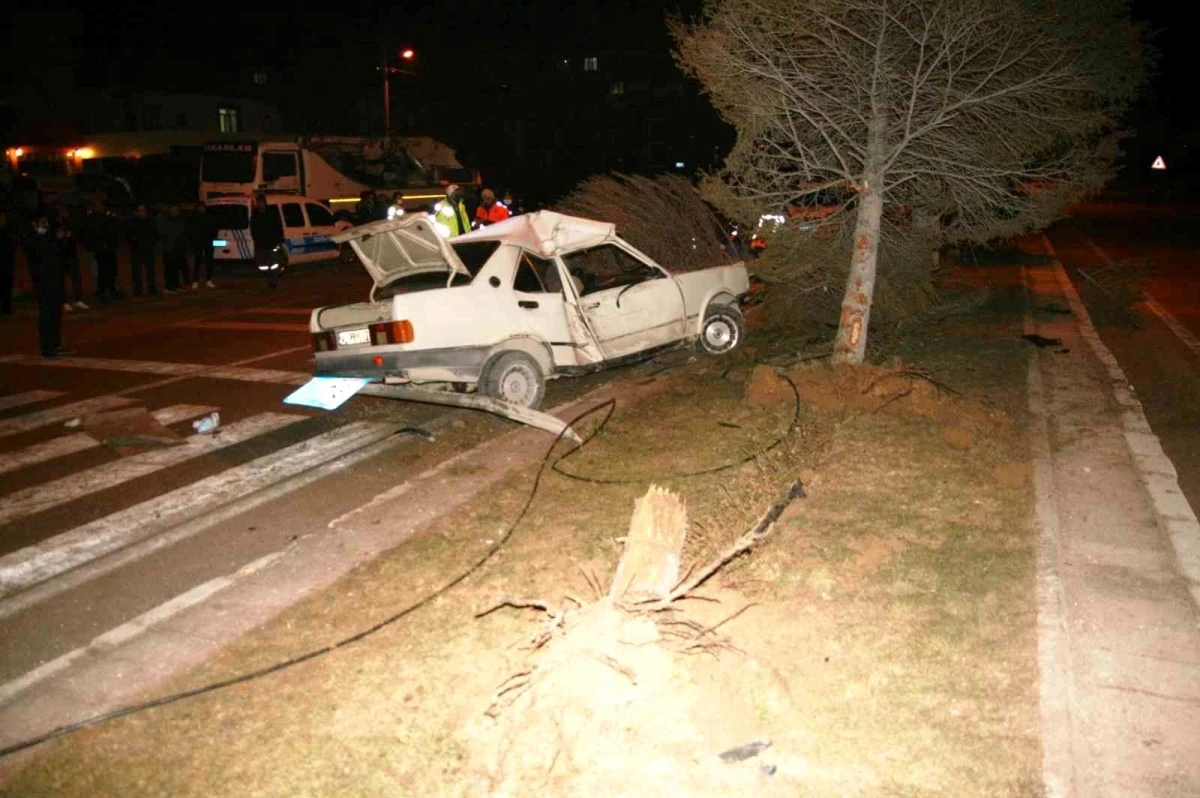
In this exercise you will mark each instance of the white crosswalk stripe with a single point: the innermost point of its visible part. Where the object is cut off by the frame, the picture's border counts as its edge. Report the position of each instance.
(27, 398)
(55, 415)
(61, 553)
(81, 441)
(227, 372)
(43, 497)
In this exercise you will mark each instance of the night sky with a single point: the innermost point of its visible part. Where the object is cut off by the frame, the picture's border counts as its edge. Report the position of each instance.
(337, 46)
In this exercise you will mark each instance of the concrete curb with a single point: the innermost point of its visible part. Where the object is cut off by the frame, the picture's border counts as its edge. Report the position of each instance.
(1056, 684)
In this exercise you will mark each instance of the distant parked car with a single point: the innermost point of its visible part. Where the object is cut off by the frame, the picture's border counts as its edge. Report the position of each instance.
(505, 308)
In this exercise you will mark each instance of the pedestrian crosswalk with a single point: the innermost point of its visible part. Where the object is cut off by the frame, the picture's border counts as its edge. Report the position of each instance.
(109, 522)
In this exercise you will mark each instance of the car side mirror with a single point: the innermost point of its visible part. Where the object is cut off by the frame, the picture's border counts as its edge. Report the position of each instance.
(494, 281)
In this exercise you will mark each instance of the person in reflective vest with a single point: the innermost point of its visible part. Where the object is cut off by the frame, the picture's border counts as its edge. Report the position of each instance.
(450, 215)
(490, 211)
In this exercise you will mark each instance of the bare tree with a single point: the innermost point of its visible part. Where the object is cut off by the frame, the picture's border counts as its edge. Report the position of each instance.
(959, 119)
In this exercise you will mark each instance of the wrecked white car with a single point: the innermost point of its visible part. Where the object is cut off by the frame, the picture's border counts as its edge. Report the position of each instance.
(505, 308)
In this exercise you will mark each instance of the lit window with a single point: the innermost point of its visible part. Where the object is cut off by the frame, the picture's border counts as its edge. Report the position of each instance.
(260, 78)
(617, 88)
(591, 64)
(228, 120)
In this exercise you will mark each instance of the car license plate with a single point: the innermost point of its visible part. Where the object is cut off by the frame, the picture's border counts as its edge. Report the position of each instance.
(353, 337)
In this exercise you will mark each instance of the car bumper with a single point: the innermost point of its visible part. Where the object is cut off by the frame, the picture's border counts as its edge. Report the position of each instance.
(453, 364)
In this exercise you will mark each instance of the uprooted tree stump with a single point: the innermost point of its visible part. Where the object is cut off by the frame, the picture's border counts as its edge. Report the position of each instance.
(604, 694)
(649, 568)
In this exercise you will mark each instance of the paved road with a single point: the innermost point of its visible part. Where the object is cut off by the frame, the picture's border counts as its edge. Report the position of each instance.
(91, 538)
(1160, 353)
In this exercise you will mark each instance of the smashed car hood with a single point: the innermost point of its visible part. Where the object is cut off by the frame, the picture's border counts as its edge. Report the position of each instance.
(396, 248)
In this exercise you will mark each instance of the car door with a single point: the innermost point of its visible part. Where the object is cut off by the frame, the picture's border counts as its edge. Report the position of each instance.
(318, 236)
(294, 228)
(538, 291)
(630, 305)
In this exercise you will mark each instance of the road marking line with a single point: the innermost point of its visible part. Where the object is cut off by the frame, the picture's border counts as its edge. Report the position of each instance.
(27, 567)
(53, 415)
(243, 326)
(39, 498)
(182, 371)
(1173, 324)
(273, 376)
(27, 398)
(81, 441)
(131, 629)
(113, 364)
(306, 312)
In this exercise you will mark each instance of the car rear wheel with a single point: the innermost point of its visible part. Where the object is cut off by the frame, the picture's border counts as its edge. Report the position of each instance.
(723, 330)
(517, 378)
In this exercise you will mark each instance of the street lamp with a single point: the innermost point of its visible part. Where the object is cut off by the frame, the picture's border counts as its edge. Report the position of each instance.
(407, 54)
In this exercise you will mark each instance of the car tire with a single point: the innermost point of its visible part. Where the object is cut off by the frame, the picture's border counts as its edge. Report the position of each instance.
(723, 329)
(515, 377)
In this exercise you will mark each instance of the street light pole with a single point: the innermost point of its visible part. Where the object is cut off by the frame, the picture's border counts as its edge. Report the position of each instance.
(387, 98)
(407, 54)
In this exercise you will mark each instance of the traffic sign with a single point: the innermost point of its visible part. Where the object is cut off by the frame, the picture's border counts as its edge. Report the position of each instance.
(1159, 163)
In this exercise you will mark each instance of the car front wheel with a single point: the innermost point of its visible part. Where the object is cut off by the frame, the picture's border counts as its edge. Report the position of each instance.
(517, 378)
(723, 329)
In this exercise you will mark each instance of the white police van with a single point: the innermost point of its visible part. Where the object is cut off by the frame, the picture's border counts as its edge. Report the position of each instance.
(308, 227)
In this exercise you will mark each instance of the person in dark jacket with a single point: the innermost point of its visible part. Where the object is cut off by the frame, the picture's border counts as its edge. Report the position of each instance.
(42, 254)
(172, 237)
(68, 258)
(143, 235)
(266, 230)
(103, 239)
(8, 257)
(201, 231)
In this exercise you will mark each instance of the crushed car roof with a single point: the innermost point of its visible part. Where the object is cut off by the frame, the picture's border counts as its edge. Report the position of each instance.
(547, 232)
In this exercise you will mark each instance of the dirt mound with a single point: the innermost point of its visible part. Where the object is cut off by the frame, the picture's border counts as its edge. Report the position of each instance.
(895, 389)
(767, 388)
(620, 703)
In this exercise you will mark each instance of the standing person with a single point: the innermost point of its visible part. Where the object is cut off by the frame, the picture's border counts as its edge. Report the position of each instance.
(490, 211)
(396, 209)
(172, 236)
(200, 234)
(68, 258)
(8, 257)
(143, 235)
(450, 215)
(266, 231)
(509, 203)
(104, 238)
(364, 211)
(42, 252)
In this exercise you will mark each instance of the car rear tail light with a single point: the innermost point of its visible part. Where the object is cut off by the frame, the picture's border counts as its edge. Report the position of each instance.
(324, 342)
(392, 332)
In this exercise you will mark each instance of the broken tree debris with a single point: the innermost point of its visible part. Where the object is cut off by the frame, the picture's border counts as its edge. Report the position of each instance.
(599, 678)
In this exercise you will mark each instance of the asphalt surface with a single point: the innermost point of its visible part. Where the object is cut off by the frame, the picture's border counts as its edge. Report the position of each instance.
(145, 352)
(1163, 369)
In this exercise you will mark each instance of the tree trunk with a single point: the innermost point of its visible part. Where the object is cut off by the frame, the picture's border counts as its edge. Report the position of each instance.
(850, 345)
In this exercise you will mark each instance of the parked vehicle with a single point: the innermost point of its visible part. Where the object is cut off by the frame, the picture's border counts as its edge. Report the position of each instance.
(333, 169)
(308, 228)
(505, 308)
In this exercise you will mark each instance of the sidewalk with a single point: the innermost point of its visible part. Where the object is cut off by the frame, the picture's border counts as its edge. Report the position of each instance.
(1119, 572)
